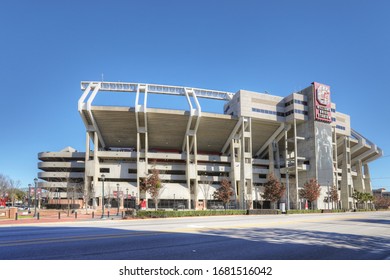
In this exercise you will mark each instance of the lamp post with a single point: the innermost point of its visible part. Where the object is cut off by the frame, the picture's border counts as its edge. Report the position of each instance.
(127, 199)
(117, 198)
(328, 196)
(35, 196)
(29, 197)
(103, 177)
(174, 201)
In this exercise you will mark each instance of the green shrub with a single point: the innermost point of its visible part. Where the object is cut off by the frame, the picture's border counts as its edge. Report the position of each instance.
(263, 212)
(187, 213)
(294, 211)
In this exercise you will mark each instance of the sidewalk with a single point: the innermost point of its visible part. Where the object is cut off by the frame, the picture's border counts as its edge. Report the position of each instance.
(54, 217)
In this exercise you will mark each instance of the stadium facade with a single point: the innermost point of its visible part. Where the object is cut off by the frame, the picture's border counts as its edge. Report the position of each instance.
(297, 137)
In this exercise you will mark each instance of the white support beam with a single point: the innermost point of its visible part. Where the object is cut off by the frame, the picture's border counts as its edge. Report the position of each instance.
(198, 113)
(380, 154)
(81, 101)
(371, 152)
(272, 138)
(82, 106)
(194, 113)
(145, 110)
(232, 135)
(184, 146)
(359, 145)
(96, 88)
(288, 127)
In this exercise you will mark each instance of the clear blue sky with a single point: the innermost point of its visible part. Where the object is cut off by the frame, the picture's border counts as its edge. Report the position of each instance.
(48, 47)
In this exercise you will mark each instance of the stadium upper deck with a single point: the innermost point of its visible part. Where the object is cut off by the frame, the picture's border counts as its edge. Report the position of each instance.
(297, 137)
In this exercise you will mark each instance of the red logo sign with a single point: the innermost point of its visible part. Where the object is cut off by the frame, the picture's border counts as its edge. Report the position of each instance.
(322, 104)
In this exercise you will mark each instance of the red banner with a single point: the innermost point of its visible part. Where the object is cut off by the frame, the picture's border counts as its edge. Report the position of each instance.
(116, 194)
(32, 191)
(322, 103)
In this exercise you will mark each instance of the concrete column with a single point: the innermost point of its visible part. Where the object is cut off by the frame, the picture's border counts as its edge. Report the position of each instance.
(246, 165)
(96, 173)
(287, 168)
(195, 147)
(271, 167)
(121, 201)
(358, 182)
(233, 170)
(345, 182)
(335, 159)
(86, 178)
(294, 187)
(367, 178)
(100, 201)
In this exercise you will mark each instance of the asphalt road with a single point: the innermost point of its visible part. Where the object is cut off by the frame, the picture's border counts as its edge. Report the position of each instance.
(347, 236)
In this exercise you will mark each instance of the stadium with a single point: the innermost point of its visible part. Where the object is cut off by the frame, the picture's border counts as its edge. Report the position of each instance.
(296, 138)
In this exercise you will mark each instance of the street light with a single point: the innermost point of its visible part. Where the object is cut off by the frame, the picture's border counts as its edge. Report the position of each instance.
(29, 196)
(35, 196)
(127, 199)
(103, 177)
(328, 196)
(117, 198)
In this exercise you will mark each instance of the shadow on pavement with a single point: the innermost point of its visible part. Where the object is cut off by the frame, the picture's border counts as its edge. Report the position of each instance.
(97, 243)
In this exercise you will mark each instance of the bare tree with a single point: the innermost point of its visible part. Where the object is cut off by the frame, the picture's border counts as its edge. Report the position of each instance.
(381, 202)
(334, 195)
(10, 189)
(205, 187)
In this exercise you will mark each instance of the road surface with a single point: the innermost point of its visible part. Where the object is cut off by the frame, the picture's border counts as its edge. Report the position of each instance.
(349, 236)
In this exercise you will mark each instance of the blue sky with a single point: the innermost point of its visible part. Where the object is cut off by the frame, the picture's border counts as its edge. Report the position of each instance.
(48, 47)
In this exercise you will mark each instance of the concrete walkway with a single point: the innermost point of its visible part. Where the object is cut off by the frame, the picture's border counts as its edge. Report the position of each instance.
(58, 217)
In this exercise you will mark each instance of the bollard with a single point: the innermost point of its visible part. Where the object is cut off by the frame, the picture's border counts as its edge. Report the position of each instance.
(108, 214)
(93, 215)
(123, 214)
(16, 216)
(38, 216)
(75, 215)
(59, 215)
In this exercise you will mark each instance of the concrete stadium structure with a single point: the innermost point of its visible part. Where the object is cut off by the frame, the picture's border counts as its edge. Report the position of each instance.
(297, 137)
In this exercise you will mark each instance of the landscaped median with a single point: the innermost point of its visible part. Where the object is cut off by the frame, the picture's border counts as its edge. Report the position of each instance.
(184, 213)
(193, 213)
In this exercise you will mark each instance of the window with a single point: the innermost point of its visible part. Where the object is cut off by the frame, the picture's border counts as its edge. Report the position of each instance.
(300, 102)
(296, 102)
(269, 112)
(104, 170)
(340, 127)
